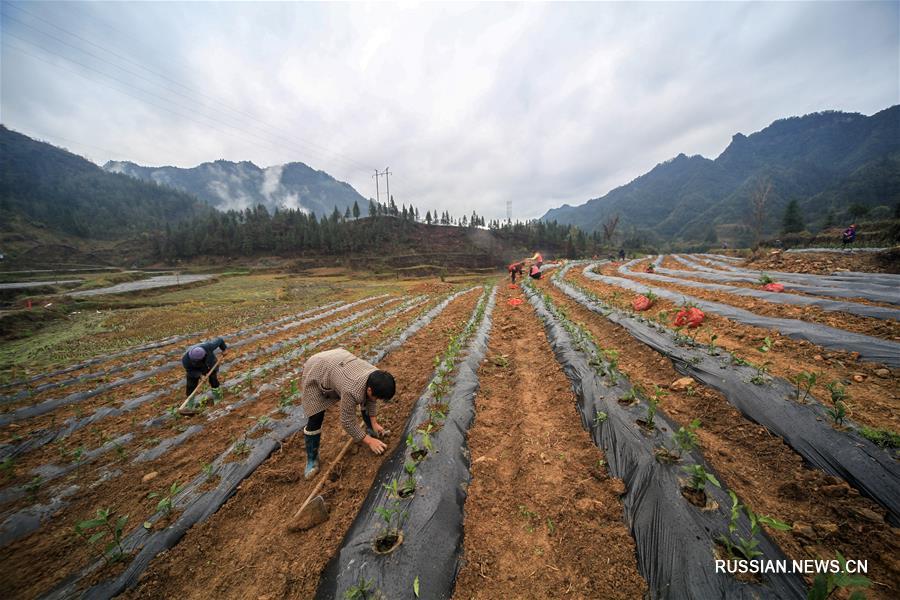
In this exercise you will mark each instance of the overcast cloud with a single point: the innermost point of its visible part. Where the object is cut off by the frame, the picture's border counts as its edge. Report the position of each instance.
(469, 104)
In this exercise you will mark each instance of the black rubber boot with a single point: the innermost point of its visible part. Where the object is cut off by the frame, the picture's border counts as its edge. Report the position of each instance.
(312, 453)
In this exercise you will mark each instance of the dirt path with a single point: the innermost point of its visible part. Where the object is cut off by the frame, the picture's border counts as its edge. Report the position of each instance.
(243, 551)
(543, 519)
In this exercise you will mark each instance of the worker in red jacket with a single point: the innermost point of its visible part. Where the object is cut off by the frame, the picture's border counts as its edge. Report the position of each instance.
(515, 269)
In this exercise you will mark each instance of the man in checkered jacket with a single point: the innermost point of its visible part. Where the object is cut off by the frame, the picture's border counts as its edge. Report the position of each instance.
(338, 377)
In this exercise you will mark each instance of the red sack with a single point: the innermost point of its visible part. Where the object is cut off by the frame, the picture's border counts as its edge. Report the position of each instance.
(513, 286)
(515, 301)
(773, 287)
(692, 317)
(641, 303)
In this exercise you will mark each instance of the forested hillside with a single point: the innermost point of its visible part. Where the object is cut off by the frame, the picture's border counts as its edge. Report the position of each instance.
(54, 189)
(838, 166)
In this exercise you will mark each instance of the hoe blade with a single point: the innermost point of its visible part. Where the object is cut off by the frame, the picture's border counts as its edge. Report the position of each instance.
(314, 513)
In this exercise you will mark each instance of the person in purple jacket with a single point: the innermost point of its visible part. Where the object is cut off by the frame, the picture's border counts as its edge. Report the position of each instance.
(200, 360)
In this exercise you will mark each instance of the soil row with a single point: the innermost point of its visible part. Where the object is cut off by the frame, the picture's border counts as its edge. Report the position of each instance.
(244, 550)
(127, 492)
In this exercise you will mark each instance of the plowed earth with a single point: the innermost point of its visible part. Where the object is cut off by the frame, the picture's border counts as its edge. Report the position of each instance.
(827, 515)
(35, 563)
(542, 518)
(244, 550)
(883, 328)
(873, 398)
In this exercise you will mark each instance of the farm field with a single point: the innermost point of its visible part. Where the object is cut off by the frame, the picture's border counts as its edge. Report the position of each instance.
(553, 438)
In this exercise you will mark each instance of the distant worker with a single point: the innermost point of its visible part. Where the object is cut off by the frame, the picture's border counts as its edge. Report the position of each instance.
(621, 253)
(538, 259)
(200, 360)
(535, 271)
(848, 237)
(337, 376)
(515, 269)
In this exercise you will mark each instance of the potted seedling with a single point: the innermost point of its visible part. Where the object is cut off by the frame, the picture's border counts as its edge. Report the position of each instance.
(826, 584)
(695, 490)
(390, 536)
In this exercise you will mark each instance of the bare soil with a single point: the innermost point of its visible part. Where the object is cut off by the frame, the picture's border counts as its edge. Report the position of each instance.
(543, 518)
(41, 559)
(873, 399)
(827, 515)
(883, 328)
(244, 550)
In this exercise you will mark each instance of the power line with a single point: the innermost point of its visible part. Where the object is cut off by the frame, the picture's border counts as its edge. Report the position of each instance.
(162, 76)
(121, 91)
(188, 116)
(333, 155)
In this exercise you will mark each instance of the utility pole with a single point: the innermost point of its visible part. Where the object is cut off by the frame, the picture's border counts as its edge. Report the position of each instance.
(377, 193)
(509, 211)
(387, 180)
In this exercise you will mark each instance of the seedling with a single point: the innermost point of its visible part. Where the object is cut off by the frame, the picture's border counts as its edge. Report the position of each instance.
(77, 454)
(804, 382)
(838, 411)
(631, 396)
(121, 452)
(104, 525)
(173, 412)
(766, 346)
(765, 279)
(551, 528)
(528, 516)
(737, 360)
(699, 477)
(165, 503)
(284, 402)
(599, 418)
(761, 373)
(686, 438)
(825, 584)
(8, 467)
(361, 591)
(33, 486)
(711, 347)
(740, 547)
(391, 534)
(207, 469)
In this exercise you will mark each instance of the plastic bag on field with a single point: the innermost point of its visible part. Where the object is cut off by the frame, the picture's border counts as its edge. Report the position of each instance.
(641, 303)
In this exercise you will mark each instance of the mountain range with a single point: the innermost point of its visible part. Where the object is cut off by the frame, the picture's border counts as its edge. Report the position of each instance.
(227, 185)
(831, 162)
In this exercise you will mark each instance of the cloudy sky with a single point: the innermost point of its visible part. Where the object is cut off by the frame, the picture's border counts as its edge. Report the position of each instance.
(470, 105)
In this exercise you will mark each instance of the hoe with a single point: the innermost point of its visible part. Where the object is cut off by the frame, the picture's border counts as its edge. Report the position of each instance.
(314, 510)
(186, 409)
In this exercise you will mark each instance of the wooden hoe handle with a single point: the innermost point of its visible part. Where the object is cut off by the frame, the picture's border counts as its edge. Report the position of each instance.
(201, 382)
(325, 475)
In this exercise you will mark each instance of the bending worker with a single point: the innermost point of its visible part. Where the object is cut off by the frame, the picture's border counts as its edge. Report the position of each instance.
(338, 376)
(198, 361)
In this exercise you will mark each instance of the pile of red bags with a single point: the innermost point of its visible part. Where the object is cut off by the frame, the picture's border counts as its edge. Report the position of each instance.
(642, 302)
(773, 287)
(690, 316)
